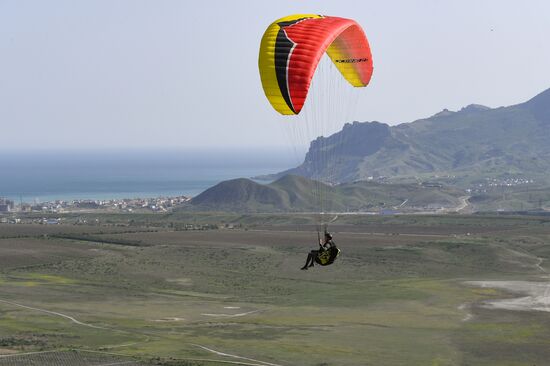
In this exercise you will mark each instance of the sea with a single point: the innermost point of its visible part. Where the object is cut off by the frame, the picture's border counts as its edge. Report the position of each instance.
(41, 176)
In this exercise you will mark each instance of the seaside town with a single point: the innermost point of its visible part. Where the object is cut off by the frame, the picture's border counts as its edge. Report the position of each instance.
(157, 204)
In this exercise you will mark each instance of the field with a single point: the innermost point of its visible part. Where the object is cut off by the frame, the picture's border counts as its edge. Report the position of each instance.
(146, 289)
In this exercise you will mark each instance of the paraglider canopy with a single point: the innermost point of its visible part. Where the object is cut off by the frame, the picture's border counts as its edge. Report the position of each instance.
(291, 48)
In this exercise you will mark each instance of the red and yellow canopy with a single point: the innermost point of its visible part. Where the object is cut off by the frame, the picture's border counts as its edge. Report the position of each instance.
(292, 47)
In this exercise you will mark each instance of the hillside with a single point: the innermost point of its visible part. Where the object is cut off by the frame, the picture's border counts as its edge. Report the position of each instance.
(473, 143)
(293, 193)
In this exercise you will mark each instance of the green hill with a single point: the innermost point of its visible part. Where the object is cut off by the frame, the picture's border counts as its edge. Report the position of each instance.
(242, 195)
(293, 193)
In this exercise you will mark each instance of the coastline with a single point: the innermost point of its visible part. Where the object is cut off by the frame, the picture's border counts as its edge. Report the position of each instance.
(35, 177)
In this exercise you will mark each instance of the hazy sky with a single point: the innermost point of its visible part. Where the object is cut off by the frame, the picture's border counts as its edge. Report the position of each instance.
(128, 73)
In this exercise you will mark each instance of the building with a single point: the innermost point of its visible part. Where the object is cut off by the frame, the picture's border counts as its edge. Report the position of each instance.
(6, 205)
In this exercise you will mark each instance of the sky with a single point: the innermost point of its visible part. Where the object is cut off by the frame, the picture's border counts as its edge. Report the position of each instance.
(131, 74)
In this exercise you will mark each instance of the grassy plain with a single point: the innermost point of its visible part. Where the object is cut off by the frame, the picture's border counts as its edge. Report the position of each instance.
(200, 297)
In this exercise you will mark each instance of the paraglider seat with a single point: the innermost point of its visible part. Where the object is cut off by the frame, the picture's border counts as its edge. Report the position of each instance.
(326, 257)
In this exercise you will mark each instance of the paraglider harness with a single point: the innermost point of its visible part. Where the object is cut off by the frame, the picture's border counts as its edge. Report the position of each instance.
(326, 256)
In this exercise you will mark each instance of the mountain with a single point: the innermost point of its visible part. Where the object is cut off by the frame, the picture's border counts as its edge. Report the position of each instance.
(293, 193)
(475, 142)
(289, 193)
(241, 195)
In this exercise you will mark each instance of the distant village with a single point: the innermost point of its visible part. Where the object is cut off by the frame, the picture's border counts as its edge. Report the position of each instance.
(491, 183)
(158, 204)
